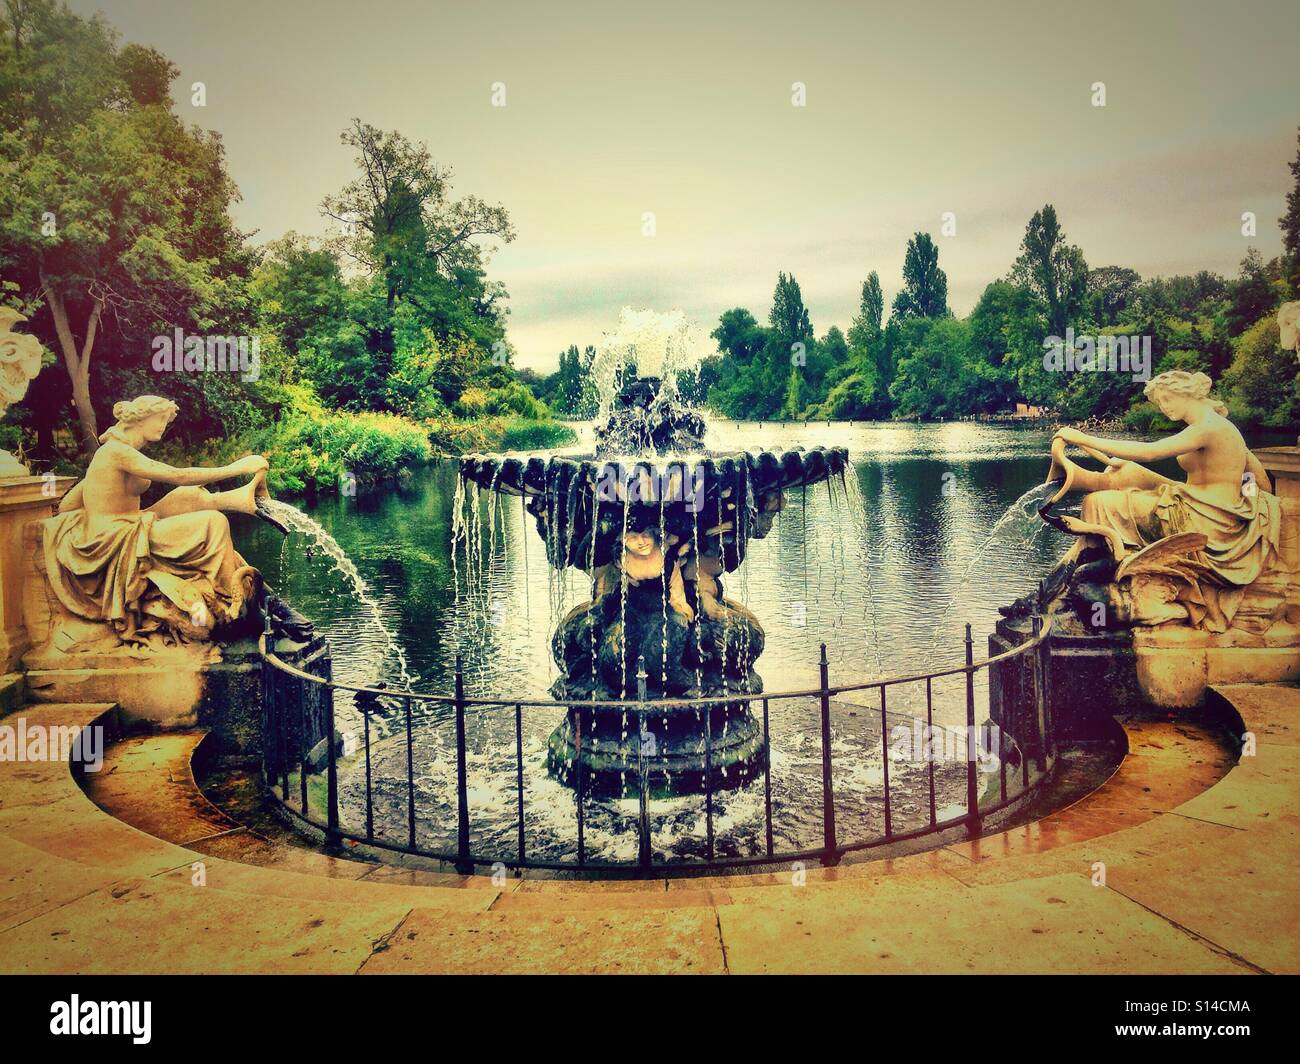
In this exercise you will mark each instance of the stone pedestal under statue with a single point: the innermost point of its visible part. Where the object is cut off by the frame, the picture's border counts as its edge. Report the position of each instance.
(1283, 465)
(24, 500)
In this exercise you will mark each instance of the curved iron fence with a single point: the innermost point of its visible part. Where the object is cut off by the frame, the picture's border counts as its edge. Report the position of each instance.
(299, 717)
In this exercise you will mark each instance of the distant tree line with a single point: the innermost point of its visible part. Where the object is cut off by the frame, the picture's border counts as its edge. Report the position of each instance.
(924, 363)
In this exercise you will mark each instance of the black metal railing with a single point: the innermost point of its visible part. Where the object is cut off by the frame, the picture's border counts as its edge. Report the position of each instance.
(291, 695)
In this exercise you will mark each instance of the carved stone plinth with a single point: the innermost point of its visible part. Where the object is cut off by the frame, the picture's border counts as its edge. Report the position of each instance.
(24, 500)
(1095, 673)
(1283, 465)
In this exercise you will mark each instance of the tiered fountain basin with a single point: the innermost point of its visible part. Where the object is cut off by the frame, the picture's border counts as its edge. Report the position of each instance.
(656, 535)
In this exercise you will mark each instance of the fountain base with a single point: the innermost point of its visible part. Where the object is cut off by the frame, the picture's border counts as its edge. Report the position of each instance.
(676, 751)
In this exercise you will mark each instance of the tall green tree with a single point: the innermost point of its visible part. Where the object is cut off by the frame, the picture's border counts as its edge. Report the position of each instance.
(114, 217)
(866, 325)
(1051, 268)
(789, 317)
(1290, 225)
(400, 224)
(925, 286)
(793, 403)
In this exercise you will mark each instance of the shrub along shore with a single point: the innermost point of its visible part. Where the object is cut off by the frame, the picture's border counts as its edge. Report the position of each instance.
(319, 451)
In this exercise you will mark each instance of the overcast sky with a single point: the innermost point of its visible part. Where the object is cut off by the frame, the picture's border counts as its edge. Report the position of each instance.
(684, 110)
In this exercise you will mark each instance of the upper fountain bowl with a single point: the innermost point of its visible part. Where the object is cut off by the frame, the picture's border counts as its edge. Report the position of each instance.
(647, 418)
(650, 471)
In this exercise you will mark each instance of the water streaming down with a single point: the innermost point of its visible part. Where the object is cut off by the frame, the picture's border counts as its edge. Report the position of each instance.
(297, 521)
(660, 583)
(1022, 517)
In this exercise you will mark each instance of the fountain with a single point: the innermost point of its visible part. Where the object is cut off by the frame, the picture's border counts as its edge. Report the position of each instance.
(655, 521)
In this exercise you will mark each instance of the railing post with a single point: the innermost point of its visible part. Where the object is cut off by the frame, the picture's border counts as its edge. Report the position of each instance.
(884, 760)
(972, 767)
(410, 776)
(828, 791)
(519, 773)
(331, 774)
(767, 779)
(303, 749)
(929, 744)
(579, 783)
(463, 863)
(282, 717)
(269, 723)
(1045, 671)
(643, 822)
(364, 702)
(1040, 713)
(708, 782)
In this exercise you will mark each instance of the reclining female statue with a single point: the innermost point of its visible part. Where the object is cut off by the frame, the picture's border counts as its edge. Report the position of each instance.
(1203, 542)
(168, 570)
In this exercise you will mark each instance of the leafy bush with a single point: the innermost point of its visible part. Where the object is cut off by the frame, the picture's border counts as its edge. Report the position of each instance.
(1261, 382)
(533, 435)
(1145, 417)
(311, 447)
(853, 398)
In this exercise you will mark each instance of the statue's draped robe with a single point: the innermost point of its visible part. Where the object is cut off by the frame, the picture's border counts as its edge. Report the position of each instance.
(142, 574)
(1243, 539)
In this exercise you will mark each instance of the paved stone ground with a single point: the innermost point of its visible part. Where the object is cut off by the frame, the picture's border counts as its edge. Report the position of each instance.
(1199, 877)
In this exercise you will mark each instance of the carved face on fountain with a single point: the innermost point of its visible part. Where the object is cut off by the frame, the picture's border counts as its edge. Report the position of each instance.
(642, 557)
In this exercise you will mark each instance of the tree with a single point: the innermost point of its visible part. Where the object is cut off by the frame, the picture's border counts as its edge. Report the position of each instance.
(1110, 291)
(790, 409)
(1252, 295)
(1260, 383)
(400, 224)
(299, 288)
(570, 389)
(695, 383)
(865, 328)
(829, 360)
(1003, 322)
(933, 379)
(1052, 269)
(789, 317)
(925, 287)
(1290, 225)
(113, 215)
(739, 336)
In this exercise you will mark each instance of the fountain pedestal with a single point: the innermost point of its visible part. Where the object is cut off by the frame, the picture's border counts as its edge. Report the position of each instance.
(679, 747)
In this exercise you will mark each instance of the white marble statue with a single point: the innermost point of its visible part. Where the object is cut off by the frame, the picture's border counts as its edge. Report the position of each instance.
(20, 361)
